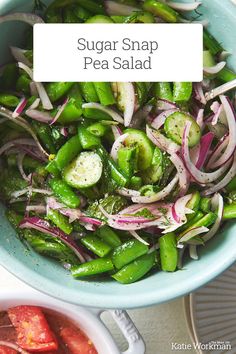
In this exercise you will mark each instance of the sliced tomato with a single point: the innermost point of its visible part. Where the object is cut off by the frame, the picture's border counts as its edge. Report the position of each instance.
(76, 341)
(33, 331)
(6, 350)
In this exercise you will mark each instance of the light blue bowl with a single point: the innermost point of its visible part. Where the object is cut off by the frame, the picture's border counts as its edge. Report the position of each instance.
(49, 277)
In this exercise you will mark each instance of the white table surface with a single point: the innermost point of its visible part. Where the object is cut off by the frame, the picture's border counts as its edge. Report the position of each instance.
(160, 325)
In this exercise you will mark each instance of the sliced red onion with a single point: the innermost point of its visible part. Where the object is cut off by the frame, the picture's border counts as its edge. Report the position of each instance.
(41, 209)
(16, 142)
(179, 209)
(39, 116)
(29, 18)
(20, 107)
(135, 235)
(220, 90)
(19, 55)
(131, 219)
(64, 132)
(31, 190)
(158, 122)
(223, 183)
(231, 118)
(200, 176)
(219, 149)
(119, 142)
(20, 158)
(199, 94)
(193, 252)
(164, 105)
(220, 207)
(213, 70)
(35, 104)
(161, 141)
(116, 131)
(205, 145)
(183, 6)
(193, 233)
(43, 226)
(60, 110)
(13, 346)
(72, 214)
(24, 124)
(33, 89)
(129, 193)
(217, 109)
(89, 220)
(183, 174)
(158, 196)
(118, 9)
(107, 110)
(41, 90)
(200, 118)
(140, 116)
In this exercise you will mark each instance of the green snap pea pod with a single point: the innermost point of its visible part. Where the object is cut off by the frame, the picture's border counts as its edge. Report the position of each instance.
(163, 90)
(98, 129)
(53, 169)
(232, 185)
(28, 162)
(96, 245)
(168, 252)
(57, 90)
(94, 267)
(136, 182)
(65, 194)
(60, 221)
(88, 140)
(73, 109)
(128, 252)
(211, 43)
(93, 113)
(117, 176)
(109, 236)
(194, 202)
(182, 91)
(161, 10)
(88, 91)
(44, 133)
(69, 16)
(128, 160)
(100, 19)
(53, 16)
(205, 204)
(196, 216)
(94, 7)
(206, 220)
(81, 13)
(23, 84)
(232, 197)
(226, 75)
(104, 93)
(68, 152)
(9, 76)
(135, 270)
(9, 100)
(119, 19)
(229, 211)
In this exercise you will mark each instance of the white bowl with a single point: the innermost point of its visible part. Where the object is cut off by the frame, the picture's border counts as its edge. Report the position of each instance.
(88, 320)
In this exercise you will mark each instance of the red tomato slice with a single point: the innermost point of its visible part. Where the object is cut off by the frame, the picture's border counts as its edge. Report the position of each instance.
(33, 331)
(76, 341)
(6, 350)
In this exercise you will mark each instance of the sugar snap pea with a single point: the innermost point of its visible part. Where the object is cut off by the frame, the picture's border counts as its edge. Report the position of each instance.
(96, 245)
(9, 100)
(68, 152)
(65, 193)
(87, 139)
(161, 10)
(109, 236)
(128, 252)
(104, 93)
(168, 252)
(60, 221)
(94, 267)
(57, 90)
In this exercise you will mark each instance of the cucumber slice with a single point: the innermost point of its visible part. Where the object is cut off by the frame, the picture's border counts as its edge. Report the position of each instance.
(146, 148)
(85, 171)
(174, 128)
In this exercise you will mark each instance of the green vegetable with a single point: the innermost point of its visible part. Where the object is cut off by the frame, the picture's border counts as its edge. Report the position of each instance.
(97, 266)
(57, 90)
(168, 252)
(135, 270)
(52, 168)
(206, 220)
(109, 236)
(145, 146)
(174, 128)
(28, 162)
(85, 171)
(44, 133)
(205, 205)
(232, 185)
(135, 182)
(162, 90)
(194, 202)
(226, 75)
(229, 212)
(161, 10)
(111, 204)
(88, 91)
(60, 221)
(104, 93)
(99, 19)
(96, 245)
(98, 129)
(68, 152)
(65, 194)
(9, 100)
(128, 252)
(127, 160)
(23, 84)
(88, 140)
(211, 43)
(182, 91)
(73, 109)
